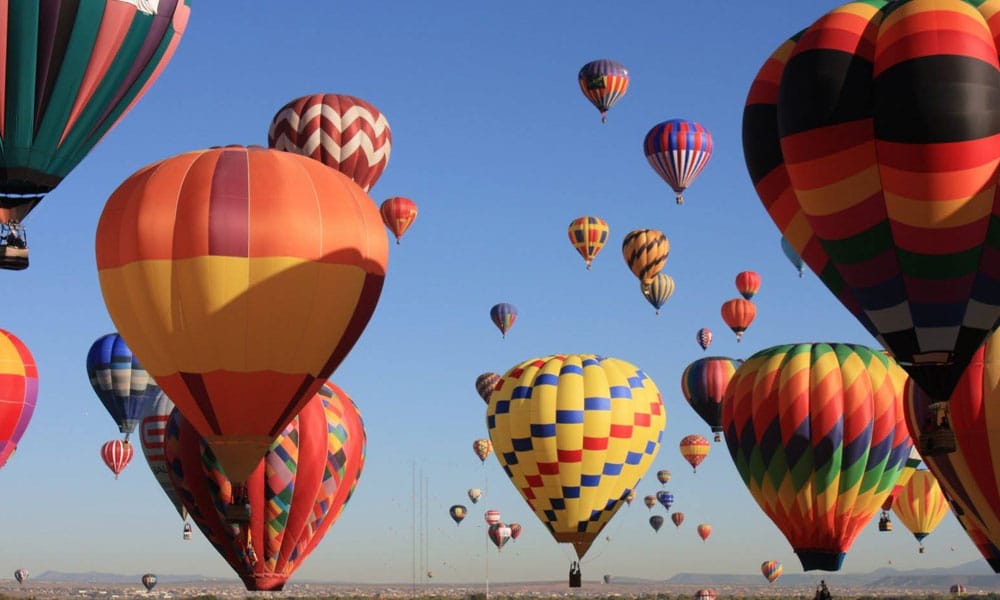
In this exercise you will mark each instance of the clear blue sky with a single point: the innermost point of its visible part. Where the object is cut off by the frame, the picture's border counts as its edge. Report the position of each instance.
(494, 141)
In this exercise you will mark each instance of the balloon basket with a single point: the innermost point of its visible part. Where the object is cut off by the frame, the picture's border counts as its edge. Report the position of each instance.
(13, 259)
(884, 524)
(575, 576)
(938, 442)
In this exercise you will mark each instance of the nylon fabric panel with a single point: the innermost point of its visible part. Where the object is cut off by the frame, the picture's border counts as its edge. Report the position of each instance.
(921, 504)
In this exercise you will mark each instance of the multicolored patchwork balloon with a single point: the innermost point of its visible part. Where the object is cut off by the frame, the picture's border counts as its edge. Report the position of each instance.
(482, 448)
(678, 151)
(603, 82)
(302, 252)
(889, 196)
(296, 492)
(588, 235)
(703, 384)
(345, 133)
(694, 448)
(816, 432)
(575, 433)
(485, 384)
(771, 570)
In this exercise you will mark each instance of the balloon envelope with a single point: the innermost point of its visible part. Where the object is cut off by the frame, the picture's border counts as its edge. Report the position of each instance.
(398, 213)
(18, 392)
(921, 505)
(345, 133)
(123, 386)
(603, 82)
(202, 219)
(771, 569)
(21, 575)
(816, 432)
(149, 581)
(152, 434)
(117, 454)
(296, 492)
(610, 413)
(678, 151)
(703, 384)
(588, 235)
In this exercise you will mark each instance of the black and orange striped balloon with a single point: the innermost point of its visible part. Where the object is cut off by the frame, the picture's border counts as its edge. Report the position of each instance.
(646, 251)
(873, 140)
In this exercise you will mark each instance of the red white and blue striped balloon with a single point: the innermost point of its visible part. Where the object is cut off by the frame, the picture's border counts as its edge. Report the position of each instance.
(678, 150)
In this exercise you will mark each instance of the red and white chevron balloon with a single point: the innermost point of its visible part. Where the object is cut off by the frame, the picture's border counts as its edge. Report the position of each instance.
(342, 132)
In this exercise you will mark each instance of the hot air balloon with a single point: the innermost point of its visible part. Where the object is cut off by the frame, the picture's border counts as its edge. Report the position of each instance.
(492, 516)
(475, 494)
(201, 221)
(152, 433)
(921, 505)
(694, 448)
(607, 579)
(658, 290)
(343, 132)
(21, 575)
(609, 413)
(649, 501)
(888, 200)
(738, 314)
(72, 73)
(485, 384)
(588, 235)
(149, 581)
(704, 530)
(515, 531)
(703, 337)
(398, 213)
(957, 589)
(430, 574)
(18, 392)
(678, 151)
(665, 498)
(482, 448)
(630, 497)
(771, 570)
(747, 284)
(603, 82)
(499, 534)
(656, 521)
(703, 384)
(117, 454)
(815, 431)
(458, 513)
(663, 476)
(705, 594)
(503, 316)
(645, 252)
(677, 518)
(123, 386)
(296, 492)
(792, 256)
(912, 462)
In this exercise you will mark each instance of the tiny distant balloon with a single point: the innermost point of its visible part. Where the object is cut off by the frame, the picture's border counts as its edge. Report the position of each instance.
(656, 521)
(771, 569)
(694, 449)
(485, 384)
(482, 448)
(658, 290)
(458, 513)
(705, 594)
(21, 575)
(607, 579)
(649, 501)
(398, 213)
(588, 235)
(665, 498)
(475, 494)
(792, 256)
(663, 476)
(677, 518)
(747, 284)
(515, 530)
(678, 151)
(703, 384)
(703, 337)
(603, 82)
(492, 516)
(630, 497)
(503, 316)
(499, 534)
(704, 530)
(738, 314)
(149, 581)
(116, 454)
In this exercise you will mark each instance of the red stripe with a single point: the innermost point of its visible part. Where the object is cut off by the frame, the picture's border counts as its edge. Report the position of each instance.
(548, 468)
(620, 431)
(642, 419)
(229, 206)
(594, 443)
(570, 456)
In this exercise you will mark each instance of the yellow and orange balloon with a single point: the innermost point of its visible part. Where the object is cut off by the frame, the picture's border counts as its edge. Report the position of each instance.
(241, 277)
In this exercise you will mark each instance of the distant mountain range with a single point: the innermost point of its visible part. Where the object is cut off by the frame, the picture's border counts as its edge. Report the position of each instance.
(975, 575)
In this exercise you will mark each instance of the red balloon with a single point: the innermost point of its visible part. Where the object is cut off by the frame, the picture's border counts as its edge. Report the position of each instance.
(747, 284)
(18, 392)
(738, 314)
(117, 454)
(294, 495)
(398, 213)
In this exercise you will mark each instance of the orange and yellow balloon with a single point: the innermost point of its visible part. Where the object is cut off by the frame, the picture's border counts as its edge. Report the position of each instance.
(241, 278)
(588, 235)
(921, 505)
(646, 252)
(695, 449)
(595, 425)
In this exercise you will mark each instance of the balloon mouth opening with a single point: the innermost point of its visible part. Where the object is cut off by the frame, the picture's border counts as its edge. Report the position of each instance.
(821, 560)
(264, 583)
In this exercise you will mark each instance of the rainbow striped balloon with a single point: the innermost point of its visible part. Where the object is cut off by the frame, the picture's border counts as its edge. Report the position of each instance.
(816, 431)
(889, 196)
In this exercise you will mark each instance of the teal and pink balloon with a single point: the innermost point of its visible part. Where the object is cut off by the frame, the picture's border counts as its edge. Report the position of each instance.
(120, 382)
(703, 384)
(603, 82)
(678, 151)
(503, 316)
(792, 256)
(703, 337)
